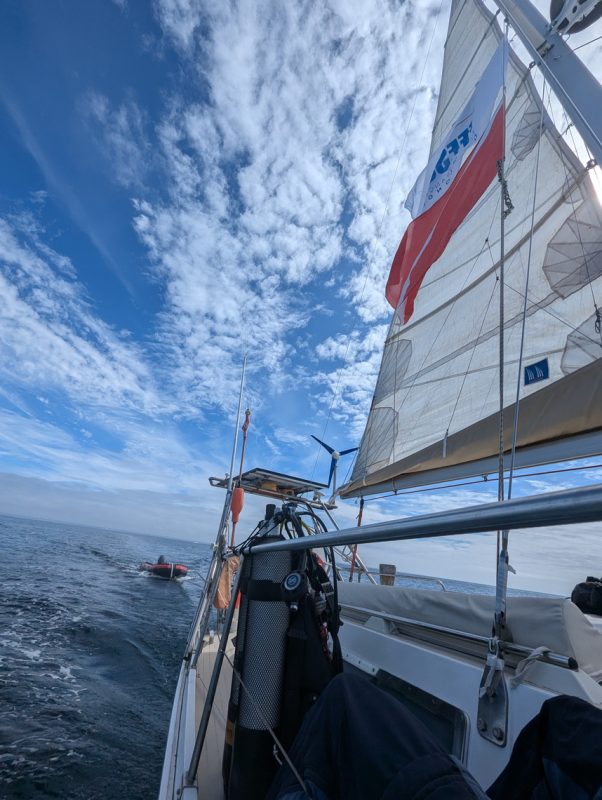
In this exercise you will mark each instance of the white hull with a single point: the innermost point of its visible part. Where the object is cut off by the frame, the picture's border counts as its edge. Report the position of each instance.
(445, 668)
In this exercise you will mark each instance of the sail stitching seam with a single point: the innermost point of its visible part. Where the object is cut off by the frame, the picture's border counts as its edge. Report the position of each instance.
(565, 150)
(467, 371)
(597, 324)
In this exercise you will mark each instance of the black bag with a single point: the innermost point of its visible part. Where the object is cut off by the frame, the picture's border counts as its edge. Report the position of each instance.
(588, 596)
(313, 651)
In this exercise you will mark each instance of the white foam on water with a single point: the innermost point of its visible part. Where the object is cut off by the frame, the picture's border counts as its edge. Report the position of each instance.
(32, 655)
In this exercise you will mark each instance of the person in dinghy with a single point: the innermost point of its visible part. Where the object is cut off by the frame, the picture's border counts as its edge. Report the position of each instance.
(165, 569)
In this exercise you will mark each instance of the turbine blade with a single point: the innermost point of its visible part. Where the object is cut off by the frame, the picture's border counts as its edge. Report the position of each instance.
(332, 468)
(351, 450)
(324, 445)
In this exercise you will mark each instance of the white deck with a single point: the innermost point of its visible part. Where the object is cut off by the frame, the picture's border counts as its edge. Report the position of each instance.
(209, 775)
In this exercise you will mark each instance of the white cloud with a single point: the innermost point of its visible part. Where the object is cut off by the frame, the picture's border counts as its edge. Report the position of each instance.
(50, 338)
(120, 132)
(57, 185)
(281, 177)
(283, 164)
(351, 385)
(291, 437)
(145, 456)
(180, 19)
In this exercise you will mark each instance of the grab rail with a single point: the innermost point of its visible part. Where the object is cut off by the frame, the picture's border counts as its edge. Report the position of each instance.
(555, 508)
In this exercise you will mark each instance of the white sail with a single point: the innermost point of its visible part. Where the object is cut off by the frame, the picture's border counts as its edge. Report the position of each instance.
(434, 415)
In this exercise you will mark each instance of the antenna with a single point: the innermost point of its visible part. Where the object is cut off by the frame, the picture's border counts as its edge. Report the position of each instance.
(335, 455)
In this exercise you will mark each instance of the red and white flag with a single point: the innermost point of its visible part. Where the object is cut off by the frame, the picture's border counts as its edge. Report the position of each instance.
(456, 176)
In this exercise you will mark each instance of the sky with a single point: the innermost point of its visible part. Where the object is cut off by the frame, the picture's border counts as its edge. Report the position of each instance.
(184, 182)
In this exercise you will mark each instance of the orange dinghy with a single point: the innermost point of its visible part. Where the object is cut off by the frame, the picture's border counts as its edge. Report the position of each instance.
(165, 569)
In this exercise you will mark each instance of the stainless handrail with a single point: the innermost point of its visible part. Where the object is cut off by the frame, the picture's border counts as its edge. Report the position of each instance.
(555, 508)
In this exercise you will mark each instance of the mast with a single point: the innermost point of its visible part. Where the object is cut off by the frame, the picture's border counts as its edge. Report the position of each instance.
(574, 85)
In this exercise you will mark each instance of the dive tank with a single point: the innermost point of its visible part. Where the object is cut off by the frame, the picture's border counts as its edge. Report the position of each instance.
(249, 765)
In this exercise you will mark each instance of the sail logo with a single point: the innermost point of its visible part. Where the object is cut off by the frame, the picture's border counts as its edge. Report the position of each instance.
(539, 371)
(451, 149)
(458, 173)
(449, 160)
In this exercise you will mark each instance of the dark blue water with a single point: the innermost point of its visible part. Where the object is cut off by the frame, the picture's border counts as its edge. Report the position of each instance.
(89, 658)
(90, 650)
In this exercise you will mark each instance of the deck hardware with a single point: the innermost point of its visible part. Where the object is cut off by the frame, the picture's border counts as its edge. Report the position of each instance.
(492, 721)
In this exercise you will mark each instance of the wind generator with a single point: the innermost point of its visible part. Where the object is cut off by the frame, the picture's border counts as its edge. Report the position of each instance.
(348, 553)
(335, 455)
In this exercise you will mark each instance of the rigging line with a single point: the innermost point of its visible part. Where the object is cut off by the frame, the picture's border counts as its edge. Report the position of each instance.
(474, 349)
(442, 327)
(380, 226)
(478, 482)
(501, 283)
(546, 310)
(505, 209)
(524, 323)
(277, 741)
(585, 44)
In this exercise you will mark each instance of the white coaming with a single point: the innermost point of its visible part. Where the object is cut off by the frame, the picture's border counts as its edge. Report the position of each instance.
(455, 678)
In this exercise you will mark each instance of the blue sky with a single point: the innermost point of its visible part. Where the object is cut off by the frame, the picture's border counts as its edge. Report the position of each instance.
(184, 182)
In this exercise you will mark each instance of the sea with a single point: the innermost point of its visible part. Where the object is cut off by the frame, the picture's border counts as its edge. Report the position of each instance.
(90, 649)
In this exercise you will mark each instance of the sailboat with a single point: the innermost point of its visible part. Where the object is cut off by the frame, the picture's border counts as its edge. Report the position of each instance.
(497, 367)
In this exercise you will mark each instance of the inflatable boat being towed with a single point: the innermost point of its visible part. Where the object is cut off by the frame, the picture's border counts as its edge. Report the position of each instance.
(164, 569)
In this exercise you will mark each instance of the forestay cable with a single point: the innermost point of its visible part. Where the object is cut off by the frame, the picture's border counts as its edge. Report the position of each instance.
(523, 326)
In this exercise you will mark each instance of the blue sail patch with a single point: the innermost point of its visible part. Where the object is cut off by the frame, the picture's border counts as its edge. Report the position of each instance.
(537, 372)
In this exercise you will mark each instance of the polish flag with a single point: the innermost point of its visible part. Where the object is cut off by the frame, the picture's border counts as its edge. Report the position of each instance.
(456, 176)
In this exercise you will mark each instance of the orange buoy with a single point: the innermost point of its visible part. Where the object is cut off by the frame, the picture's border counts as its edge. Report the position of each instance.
(238, 499)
